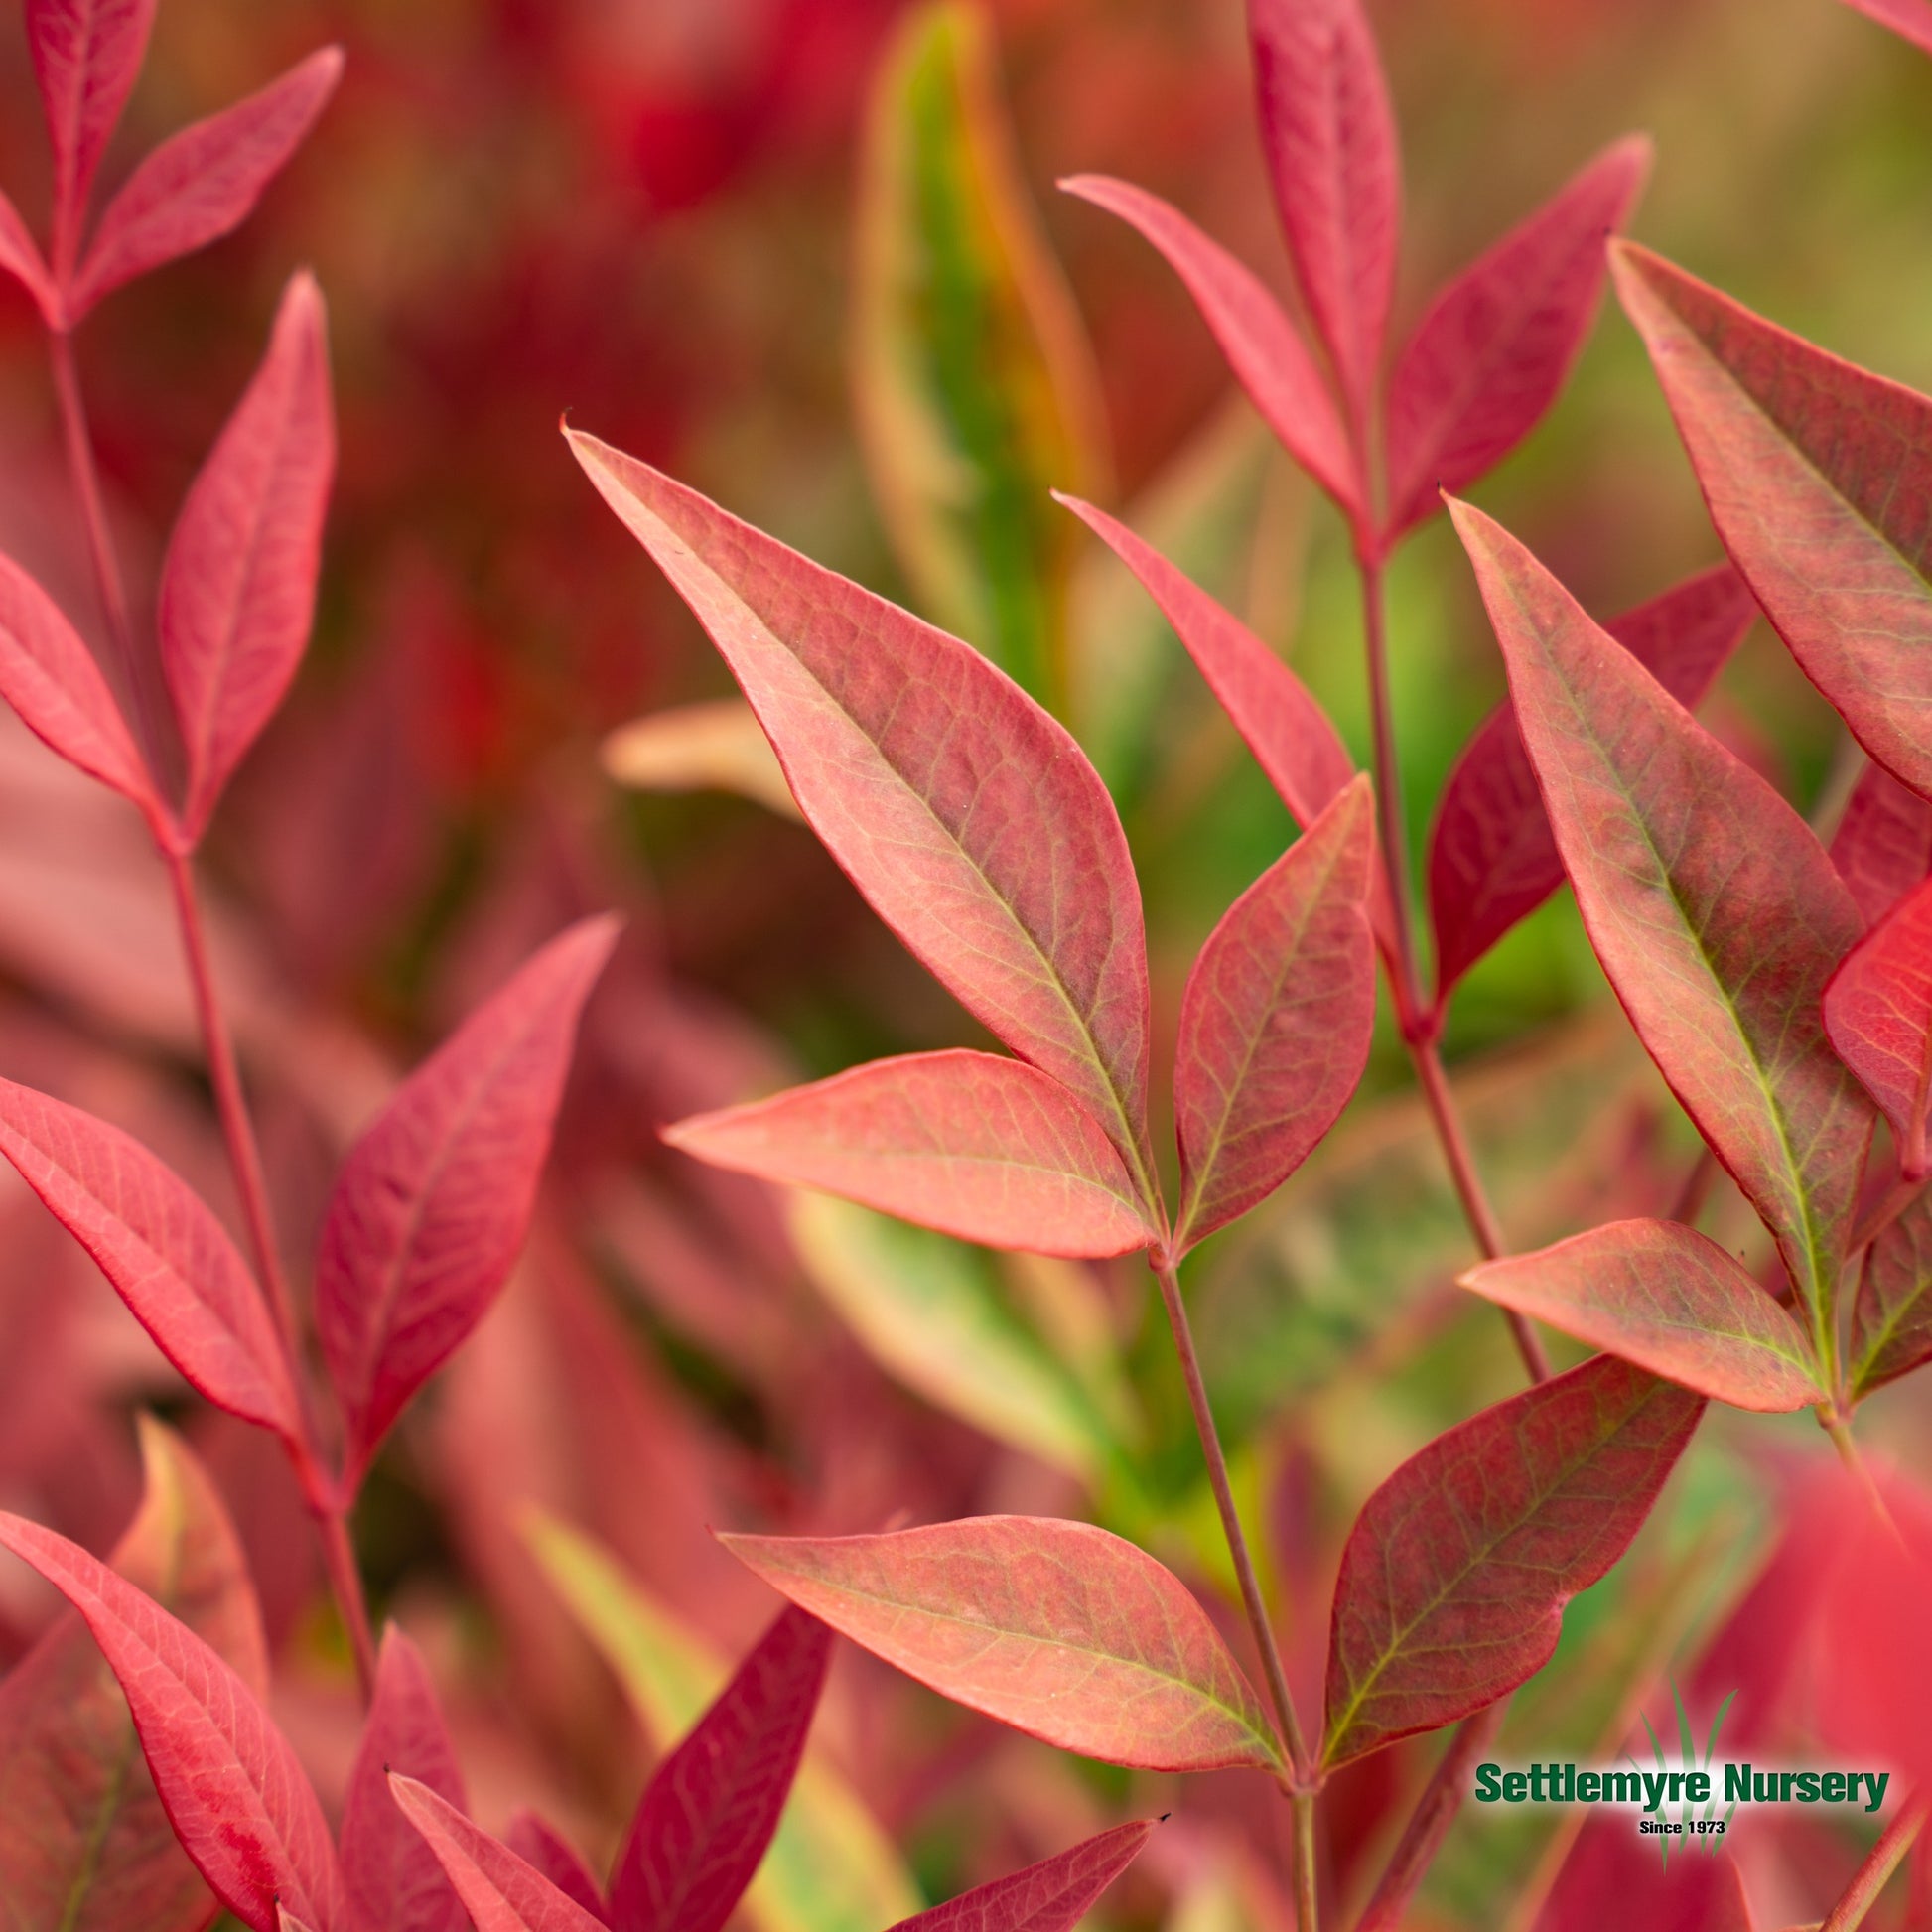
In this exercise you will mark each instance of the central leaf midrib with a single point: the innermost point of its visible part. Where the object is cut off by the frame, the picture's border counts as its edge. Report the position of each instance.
(1477, 1558)
(1244, 1718)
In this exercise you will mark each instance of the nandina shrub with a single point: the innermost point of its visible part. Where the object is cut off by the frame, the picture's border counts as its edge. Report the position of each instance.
(1776, 982)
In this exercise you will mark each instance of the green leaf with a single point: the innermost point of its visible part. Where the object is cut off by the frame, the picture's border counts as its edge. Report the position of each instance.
(973, 377)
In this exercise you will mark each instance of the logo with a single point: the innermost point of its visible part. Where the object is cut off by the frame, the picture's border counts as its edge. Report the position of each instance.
(1688, 1804)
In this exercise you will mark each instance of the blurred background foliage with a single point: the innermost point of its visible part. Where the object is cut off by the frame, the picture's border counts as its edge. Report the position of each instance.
(808, 255)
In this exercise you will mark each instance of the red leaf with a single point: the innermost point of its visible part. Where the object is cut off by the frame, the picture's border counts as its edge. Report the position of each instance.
(391, 1878)
(86, 55)
(238, 1796)
(500, 1892)
(1276, 1021)
(539, 1845)
(1712, 906)
(204, 182)
(1492, 858)
(167, 1256)
(1816, 474)
(1612, 1880)
(1891, 1319)
(1262, 348)
(1879, 1012)
(1330, 138)
(51, 678)
(1671, 1301)
(1059, 1629)
(1911, 18)
(1275, 712)
(84, 1844)
(1882, 847)
(983, 1148)
(1499, 342)
(1276, 715)
(19, 257)
(433, 1202)
(1050, 1896)
(1454, 1577)
(706, 1818)
(239, 587)
(969, 818)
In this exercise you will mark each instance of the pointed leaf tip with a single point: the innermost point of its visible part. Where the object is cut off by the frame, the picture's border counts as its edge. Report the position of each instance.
(1276, 1021)
(1716, 914)
(1786, 438)
(966, 814)
(498, 1889)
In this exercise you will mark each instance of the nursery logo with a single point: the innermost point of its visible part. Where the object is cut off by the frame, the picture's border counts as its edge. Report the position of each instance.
(1690, 1803)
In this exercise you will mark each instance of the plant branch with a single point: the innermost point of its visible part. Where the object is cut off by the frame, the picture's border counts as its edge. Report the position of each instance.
(1237, 1541)
(1429, 1822)
(245, 1156)
(1418, 1026)
(108, 582)
(1307, 1890)
(1870, 1881)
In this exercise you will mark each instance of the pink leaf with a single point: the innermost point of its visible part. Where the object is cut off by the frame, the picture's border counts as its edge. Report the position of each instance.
(1331, 143)
(1709, 900)
(1499, 342)
(51, 678)
(969, 818)
(1276, 1021)
(86, 55)
(1882, 847)
(1274, 711)
(706, 1818)
(167, 1256)
(204, 182)
(1492, 858)
(1817, 476)
(1456, 1574)
(983, 1148)
(1911, 18)
(239, 587)
(235, 1793)
(1879, 1012)
(1262, 348)
(84, 1843)
(1059, 1629)
(1051, 1897)
(1276, 715)
(19, 257)
(1892, 1319)
(1669, 1299)
(541, 1847)
(393, 1880)
(500, 1892)
(432, 1204)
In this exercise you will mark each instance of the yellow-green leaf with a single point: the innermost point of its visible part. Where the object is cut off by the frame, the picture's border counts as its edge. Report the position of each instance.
(972, 374)
(928, 1310)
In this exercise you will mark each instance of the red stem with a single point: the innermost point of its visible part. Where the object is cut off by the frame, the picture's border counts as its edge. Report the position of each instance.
(1418, 1023)
(1429, 1822)
(245, 1156)
(1237, 1541)
(238, 1128)
(1888, 1855)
